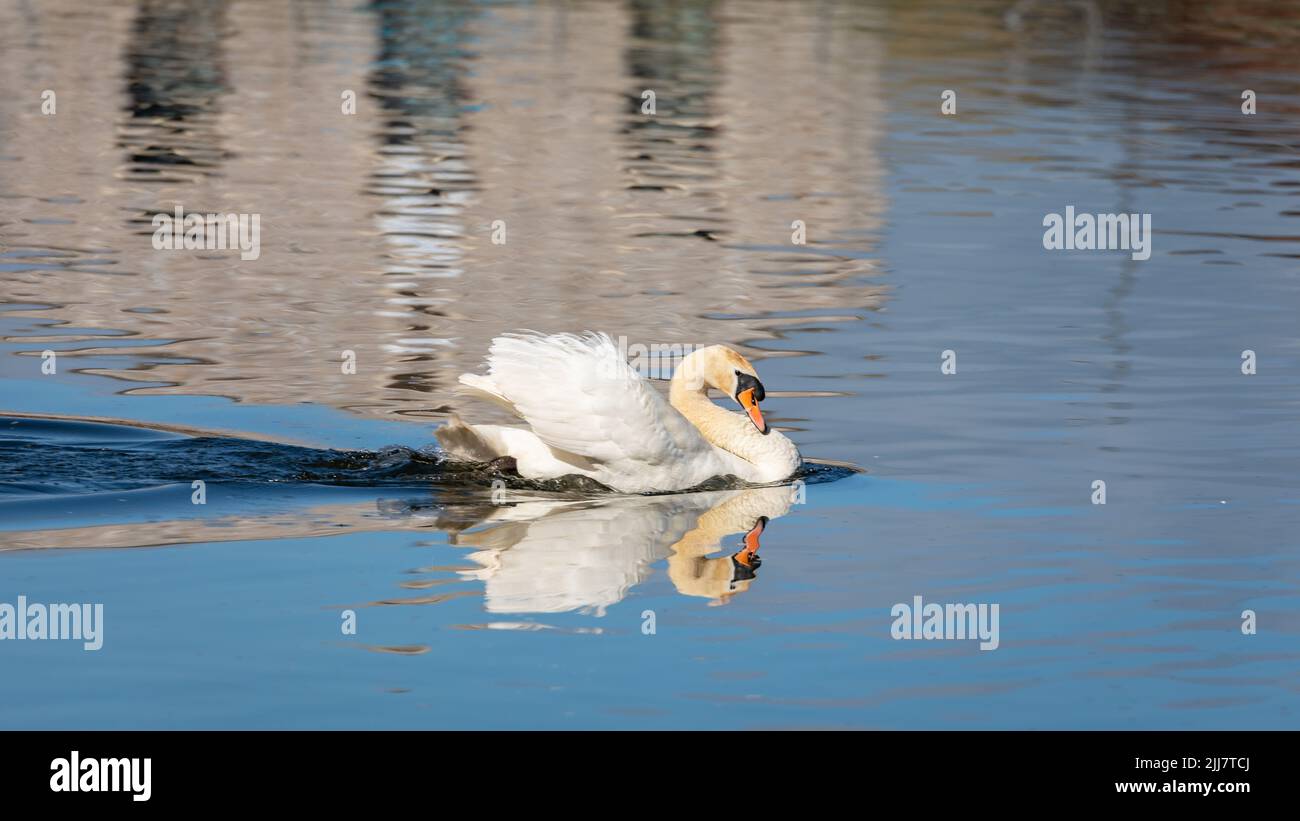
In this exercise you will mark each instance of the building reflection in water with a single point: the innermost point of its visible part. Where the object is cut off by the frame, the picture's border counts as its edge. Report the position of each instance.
(377, 228)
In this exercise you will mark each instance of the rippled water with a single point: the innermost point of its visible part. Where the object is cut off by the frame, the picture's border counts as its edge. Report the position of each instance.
(323, 491)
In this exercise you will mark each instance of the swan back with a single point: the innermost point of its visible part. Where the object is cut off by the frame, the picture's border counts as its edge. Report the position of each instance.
(582, 398)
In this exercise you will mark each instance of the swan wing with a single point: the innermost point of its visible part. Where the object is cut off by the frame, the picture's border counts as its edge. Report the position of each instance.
(580, 395)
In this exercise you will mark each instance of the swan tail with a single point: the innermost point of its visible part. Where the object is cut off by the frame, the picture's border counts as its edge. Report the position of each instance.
(463, 443)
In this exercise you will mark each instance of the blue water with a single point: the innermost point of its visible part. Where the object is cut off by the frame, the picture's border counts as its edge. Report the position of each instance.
(325, 499)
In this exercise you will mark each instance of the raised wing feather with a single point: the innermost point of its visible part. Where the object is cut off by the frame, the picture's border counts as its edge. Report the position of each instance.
(579, 394)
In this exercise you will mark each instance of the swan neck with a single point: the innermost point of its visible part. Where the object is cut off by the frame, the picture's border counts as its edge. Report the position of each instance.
(771, 456)
(718, 426)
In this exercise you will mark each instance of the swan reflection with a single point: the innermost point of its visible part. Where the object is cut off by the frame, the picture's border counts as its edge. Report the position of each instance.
(548, 556)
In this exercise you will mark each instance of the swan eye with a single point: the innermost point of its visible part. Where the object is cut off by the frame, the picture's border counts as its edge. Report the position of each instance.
(746, 382)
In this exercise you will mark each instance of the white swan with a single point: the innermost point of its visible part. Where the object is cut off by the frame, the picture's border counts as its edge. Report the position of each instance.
(591, 414)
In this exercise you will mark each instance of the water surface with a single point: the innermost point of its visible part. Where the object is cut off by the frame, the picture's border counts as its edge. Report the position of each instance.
(324, 494)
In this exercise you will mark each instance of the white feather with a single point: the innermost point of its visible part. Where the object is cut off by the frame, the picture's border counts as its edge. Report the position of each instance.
(590, 413)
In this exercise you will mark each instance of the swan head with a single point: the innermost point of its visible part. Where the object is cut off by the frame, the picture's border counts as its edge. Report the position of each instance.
(721, 368)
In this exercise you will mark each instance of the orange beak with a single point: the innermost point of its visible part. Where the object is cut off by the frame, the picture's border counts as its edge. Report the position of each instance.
(751, 538)
(747, 401)
(745, 556)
